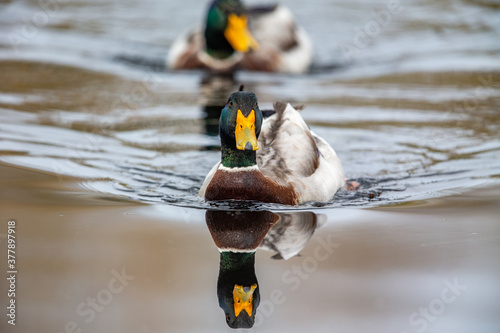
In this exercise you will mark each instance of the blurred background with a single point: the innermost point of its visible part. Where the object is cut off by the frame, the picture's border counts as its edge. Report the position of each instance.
(102, 151)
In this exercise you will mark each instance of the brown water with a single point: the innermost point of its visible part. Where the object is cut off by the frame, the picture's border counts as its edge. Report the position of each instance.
(102, 152)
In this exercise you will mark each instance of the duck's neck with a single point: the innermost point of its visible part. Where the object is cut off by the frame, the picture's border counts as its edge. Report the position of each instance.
(216, 44)
(232, 261)
(235, 158)
(219, 52)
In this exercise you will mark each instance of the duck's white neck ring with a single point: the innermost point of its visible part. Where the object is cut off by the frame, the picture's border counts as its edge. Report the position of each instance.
(238, 169)
(219, 64)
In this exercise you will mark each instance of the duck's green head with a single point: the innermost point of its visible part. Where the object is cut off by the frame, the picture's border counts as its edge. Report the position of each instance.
(226, 29)
(237, 289)
(239, 128)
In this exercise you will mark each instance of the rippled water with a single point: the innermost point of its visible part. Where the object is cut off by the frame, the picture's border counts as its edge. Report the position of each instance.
(413, 113)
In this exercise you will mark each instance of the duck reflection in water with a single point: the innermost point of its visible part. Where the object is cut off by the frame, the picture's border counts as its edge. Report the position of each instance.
(214, 91)
(237, 235)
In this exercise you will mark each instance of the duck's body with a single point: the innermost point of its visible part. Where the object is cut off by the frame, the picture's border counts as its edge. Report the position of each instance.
(273, 42)
(289, 164)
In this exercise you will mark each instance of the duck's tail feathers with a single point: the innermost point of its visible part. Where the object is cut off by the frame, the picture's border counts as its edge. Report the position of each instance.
(281, 106)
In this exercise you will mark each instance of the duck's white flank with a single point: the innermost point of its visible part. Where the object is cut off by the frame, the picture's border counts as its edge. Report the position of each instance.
(279, 28)
(296, 156)
(298, 59)
(178, 48)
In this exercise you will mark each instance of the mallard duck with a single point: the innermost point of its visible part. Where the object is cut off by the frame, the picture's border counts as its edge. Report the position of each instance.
(259, 39)
(276, 160)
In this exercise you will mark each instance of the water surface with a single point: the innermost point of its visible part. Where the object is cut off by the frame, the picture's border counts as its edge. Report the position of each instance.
(103, 150)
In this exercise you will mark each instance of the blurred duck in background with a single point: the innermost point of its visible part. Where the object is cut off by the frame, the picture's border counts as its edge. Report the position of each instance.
(264, 38)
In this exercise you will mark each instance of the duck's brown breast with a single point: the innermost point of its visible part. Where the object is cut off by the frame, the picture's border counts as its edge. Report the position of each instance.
(248, 185)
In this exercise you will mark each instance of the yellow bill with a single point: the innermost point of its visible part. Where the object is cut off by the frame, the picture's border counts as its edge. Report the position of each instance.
(243, 300)
(245, 132)
(238, 35)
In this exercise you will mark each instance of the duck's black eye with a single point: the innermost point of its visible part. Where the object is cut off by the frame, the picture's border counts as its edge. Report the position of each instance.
(230, 103)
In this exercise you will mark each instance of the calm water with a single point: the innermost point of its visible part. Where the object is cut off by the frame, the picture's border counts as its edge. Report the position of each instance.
(102, 152)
